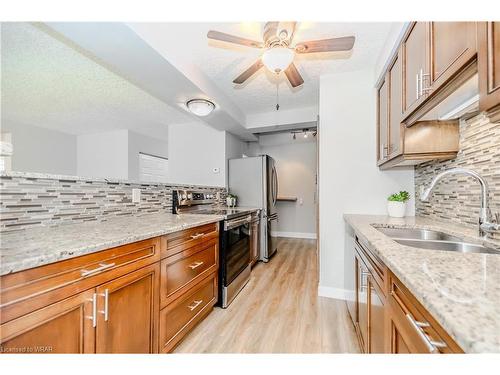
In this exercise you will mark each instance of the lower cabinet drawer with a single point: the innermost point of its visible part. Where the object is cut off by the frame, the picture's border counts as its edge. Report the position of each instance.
(412, 328)
(181, 271)
(178, 318)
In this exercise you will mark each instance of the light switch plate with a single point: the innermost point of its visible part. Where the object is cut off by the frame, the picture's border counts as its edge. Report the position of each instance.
(136, 195)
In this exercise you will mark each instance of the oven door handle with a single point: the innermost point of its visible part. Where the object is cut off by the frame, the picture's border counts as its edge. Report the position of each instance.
(236, 223)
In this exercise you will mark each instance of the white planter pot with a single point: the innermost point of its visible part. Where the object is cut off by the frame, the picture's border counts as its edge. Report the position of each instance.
(396, 209)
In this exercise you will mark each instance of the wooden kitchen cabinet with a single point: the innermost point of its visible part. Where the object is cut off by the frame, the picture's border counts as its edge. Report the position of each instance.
(127, 313)
(383, 122)
(387, 317)
(362, 304)
(109, 301)
(451, 46)
(376, 322)
(489, 67)
(395, 93)
(63, 327)
(414, 57)
(370, 306)
(410, 328)
(433, 60)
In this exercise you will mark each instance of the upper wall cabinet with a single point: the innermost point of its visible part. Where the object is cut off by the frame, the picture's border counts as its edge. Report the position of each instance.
(383, 122)
(451, 46)
(433, 61)
(395, 77)
(414, 54)
(489, 68)
(437, 59)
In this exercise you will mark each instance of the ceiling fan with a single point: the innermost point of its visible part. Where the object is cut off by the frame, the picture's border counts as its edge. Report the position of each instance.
(279, 52)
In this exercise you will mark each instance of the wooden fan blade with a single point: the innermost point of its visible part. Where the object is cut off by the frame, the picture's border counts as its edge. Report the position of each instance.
(293, 75)
(217, 35)
(249, 72)
(326, 45)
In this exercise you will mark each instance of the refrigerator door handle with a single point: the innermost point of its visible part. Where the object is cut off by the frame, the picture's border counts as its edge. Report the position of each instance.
(275, 186)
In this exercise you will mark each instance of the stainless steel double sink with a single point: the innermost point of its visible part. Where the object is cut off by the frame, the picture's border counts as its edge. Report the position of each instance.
(433, 240)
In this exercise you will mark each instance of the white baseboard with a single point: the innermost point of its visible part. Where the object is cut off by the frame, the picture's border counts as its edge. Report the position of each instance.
(329, 292)
(311, 236)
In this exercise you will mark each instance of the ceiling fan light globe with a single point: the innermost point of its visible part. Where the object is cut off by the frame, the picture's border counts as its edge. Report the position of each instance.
(277, 59)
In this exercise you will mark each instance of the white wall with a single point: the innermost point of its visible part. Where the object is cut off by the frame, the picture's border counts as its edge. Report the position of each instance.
(140, 143)
(194, 150)
(41, 150)
(103, 155)
(296, 168)
(349, 180)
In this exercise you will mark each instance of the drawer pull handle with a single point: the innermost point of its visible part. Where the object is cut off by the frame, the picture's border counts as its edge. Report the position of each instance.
(195, 265)
(195, 305)
(432, 345)
(102, 267)
(197, 235)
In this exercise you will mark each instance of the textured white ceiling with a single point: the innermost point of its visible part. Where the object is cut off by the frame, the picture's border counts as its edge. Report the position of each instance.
(222, 62)
(49, 84)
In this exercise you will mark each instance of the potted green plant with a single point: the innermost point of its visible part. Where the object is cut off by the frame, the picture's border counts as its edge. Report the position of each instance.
(396, 204)
(231, 200)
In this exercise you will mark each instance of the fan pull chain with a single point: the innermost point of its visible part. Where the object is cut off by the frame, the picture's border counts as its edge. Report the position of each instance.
(277, 97)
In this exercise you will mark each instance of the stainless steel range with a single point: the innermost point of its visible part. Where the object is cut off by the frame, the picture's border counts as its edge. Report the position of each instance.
(234, 246)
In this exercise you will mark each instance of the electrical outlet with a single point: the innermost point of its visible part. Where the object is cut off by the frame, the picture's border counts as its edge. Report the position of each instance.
(136, 195)
(301, 201)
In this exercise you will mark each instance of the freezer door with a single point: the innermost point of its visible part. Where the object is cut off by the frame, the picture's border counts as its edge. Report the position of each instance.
(272, 240)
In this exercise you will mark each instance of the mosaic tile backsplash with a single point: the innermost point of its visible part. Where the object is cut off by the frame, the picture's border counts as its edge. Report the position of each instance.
(457, 197)
(28, 199)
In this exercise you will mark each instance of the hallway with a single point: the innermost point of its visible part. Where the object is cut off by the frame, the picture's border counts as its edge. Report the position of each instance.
(278, 311)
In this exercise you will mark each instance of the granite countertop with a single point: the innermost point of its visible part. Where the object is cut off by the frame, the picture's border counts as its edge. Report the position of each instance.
(34, 247)
(461, 290)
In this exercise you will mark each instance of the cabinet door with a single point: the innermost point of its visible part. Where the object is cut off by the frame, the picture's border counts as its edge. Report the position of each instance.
(128, 308)
(452, 46)
(63, 327)
(489, 64)
(415, 65)
(395, 106)
(383, 122)
(362, 298)
(376, 314)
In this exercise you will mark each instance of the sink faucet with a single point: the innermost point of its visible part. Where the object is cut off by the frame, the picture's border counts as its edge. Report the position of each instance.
(485, 226)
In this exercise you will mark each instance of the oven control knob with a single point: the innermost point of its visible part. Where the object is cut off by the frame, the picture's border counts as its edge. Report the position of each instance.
(184, 196)
(190, 196)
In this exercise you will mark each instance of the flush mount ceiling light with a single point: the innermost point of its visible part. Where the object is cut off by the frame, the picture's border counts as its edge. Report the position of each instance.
(277, 59)
(200, 107)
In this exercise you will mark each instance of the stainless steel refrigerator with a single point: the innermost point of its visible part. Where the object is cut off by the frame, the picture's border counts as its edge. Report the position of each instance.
(255, 182)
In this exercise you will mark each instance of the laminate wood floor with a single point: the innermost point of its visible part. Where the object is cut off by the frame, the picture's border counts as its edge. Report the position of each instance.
(278, 311)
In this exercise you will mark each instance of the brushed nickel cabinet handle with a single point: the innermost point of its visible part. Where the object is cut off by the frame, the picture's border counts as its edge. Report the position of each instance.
(106, 305)
(197, 235)
(417, 86)
(93, 317)
(195, 265)
(102, 267)
(195, 305)
(432, 345)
